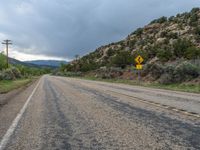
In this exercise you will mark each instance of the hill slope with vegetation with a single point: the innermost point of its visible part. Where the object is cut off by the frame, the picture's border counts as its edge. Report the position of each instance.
(169, 46)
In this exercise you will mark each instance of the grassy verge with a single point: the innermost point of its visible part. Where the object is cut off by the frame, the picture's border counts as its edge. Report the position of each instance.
(6, 86)
(193, 88)
(179, 87)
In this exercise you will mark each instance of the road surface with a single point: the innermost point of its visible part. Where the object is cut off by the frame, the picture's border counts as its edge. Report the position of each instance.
(64, 113)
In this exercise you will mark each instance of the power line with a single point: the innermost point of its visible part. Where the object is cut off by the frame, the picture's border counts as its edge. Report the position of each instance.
(7, 43)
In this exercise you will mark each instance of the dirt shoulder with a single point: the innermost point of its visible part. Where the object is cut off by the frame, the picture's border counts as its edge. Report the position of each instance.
(11, 103)
(7, 96)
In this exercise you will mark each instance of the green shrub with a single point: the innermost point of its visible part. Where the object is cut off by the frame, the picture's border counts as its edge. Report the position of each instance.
(194, 20)
(146, 69)
(8, 74)
(172, 35)
(171, 18)
(151, 51)
(164, 54)
(195, 10)
(122, 59)
(155, 70)
(186, 71)
(86, 66)
(178, 15)
(163, 34)
(110, 52)
(160, 20)
(16, 72)
(192, 53)
(169, 69)
(138, 32)
(168, 75)
(166, 78)
(132, 43)
(180, 47)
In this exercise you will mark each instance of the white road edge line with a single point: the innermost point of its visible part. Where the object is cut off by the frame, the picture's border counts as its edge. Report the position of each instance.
(15, 122)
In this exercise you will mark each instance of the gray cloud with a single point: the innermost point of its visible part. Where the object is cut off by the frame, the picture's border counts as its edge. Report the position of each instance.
(63, 28)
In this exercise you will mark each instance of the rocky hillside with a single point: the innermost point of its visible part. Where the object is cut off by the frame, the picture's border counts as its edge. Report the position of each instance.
(164, 41)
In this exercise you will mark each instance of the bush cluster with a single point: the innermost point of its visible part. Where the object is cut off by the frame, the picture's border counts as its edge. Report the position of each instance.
(10, 74)
(138, 32)
(122, 59)
(167, 74)
(186, 71)
(180, 48)
(160, 20)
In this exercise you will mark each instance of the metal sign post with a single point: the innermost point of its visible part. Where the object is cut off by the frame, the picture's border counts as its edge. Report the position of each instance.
(139, 66)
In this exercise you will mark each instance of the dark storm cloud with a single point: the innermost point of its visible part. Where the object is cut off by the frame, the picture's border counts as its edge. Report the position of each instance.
(64, 28)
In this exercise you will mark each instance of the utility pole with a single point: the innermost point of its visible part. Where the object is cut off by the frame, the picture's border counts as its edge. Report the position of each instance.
(76, 62)
(7, 43)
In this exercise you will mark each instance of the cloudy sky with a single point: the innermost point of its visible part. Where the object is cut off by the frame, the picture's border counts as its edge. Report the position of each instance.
(59, 29)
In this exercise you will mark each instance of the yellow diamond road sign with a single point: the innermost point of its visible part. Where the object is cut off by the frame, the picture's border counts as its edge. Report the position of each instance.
(139, 59)
(139, 67)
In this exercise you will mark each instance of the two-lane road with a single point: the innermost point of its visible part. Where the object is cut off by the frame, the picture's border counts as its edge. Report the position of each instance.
(66, 113)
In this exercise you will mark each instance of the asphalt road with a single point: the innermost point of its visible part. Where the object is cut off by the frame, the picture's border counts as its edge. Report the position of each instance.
(63, 113)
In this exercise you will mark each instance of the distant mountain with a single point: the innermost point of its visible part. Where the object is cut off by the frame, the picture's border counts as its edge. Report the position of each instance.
(17, 62)
(37, 63)
(48, 63)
